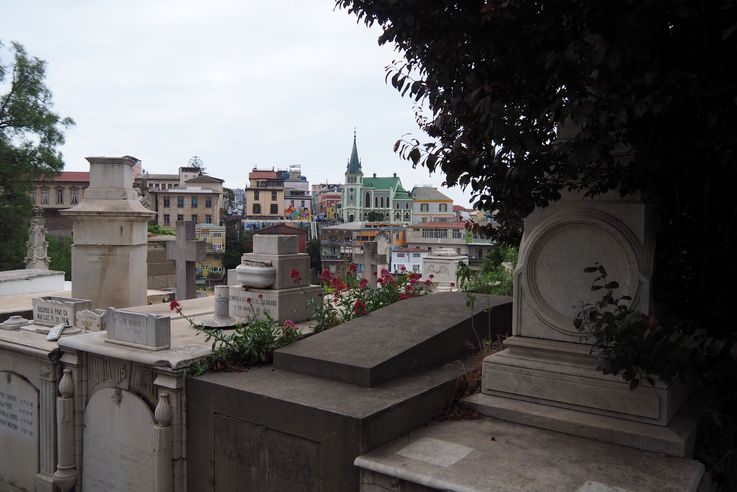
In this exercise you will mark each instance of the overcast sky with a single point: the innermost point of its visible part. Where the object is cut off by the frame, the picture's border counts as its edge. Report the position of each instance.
(238, 83)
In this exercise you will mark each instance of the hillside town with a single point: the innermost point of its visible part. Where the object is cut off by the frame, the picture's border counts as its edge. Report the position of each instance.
(407, 224)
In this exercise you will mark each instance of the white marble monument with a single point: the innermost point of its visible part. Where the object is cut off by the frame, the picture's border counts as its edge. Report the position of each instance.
(442, 264)
(274, 278)
(37, 257)
(547, 376)
(110, 229)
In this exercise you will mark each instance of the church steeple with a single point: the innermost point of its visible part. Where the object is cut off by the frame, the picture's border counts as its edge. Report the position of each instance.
(354, 164)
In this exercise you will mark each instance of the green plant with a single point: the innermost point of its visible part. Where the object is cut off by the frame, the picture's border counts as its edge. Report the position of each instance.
(157, 229)
(346, 297)
(60, 255)
(249, 343)
(495, 275)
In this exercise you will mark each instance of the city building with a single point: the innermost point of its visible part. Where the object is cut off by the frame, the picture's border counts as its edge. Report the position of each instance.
(210, 271)
(434, 235)
(408, 258)
(341, 244)
(265, 194)
(430, 205)
(379, 198)
(56, 193)
(297, 196)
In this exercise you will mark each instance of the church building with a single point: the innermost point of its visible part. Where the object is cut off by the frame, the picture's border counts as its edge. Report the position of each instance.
(384, 196)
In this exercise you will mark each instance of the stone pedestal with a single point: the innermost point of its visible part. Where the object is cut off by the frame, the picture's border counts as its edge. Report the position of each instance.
(110, 228)
(442, 264)
(548, 364)
(275, 278)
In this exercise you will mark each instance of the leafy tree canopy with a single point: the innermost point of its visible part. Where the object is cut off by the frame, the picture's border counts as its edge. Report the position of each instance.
(29, 135)
(650, 86)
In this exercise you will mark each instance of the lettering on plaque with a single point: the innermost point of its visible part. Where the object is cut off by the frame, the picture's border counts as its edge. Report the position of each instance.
(254, 457)
(18, 430)
(118, 437)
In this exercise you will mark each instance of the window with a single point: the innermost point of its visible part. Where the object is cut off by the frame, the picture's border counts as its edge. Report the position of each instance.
(400, 255)
(382, 202)
(424, 207)
(303, 203)
(415, 268)
(406, 206)
(208, 219)
(273, 196)
(167, 201)
(367, 201)
(459, 233)
(256, 209)
(194, 218)
(376, 202)
(74, 196)
(424, 219)
(166, 219)
(397, 205)
(415, 255)
(256, 195)
(180, 201)
(434, 233)
(180, 217)
(443, 207)
(195, 201)
(208, 202)
(274, 209)
(59, 196)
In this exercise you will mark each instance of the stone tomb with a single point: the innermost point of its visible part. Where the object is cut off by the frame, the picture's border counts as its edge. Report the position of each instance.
(547, 377)
(18, 431)
(266, 280)
(442, 264)
(299, 424)
(140, 330)
(51, 310)
(92, 320)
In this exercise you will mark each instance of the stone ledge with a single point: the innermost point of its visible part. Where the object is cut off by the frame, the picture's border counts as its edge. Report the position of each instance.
(502, 456)
(676, 440)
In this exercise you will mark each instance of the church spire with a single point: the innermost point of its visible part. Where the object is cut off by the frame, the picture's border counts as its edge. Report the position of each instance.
(354, 164)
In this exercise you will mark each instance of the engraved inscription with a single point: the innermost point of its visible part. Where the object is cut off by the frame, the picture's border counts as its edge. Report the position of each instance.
(253, 457)
(18, 430)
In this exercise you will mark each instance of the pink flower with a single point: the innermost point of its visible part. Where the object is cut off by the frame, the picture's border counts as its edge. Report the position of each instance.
(289, 325)
(248, 300)
(403, 268)
(413, 281)
(260, 296)
(175, 305)
(296, 276)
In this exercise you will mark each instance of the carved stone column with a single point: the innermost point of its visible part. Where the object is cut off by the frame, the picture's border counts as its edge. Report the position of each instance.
(162, 445)
(66, 473)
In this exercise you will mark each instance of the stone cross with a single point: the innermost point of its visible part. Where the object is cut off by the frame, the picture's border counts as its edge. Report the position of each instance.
(185, 251)
(370, 260)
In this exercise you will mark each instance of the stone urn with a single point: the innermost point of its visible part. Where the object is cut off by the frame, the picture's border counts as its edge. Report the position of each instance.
(259, 275)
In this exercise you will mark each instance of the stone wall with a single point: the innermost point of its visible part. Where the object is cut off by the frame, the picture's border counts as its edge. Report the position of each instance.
(162, 273)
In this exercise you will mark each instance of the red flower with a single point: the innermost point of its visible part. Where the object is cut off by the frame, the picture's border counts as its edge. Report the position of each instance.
(413, 281)
(326, 275)
(289, 325)
(428, 282)
(432, 276)
(359, 308)
(452, 284)
(175, 305)
(260, 296)
(296, 276)
(351, 267)
(363, 283)
(248, 300)
(403, 268)
(374, 274)
(402, 296)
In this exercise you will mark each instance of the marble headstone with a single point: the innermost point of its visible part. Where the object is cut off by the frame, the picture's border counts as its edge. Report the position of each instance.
(140, 330)
(18, 431)
(51, 310)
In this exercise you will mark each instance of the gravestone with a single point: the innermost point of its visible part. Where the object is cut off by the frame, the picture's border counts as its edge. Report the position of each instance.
(139, 330)
(370, 260)
(547, 376)
(442, 264)
(51, 310)
(118, 443)
(19, 434)
(110, 237)
(299, 424)
(186, 251)
(92, 320)
(274, 279)
(37, 246)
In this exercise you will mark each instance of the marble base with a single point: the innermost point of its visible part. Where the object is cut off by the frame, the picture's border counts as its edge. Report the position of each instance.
(282, 305)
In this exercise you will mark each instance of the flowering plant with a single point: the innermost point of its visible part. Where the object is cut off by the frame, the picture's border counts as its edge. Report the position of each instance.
(249, 343)
(347, 297)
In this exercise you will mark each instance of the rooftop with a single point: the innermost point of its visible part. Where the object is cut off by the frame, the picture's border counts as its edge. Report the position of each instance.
(262, 174)
(428, 193)
(438, 225)
(68, 176)
(205, 179)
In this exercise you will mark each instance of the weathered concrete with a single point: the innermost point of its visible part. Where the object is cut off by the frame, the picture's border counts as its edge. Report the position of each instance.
(492, 455)
(391, 342)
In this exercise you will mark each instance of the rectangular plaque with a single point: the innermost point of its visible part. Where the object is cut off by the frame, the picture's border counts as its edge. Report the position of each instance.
(18, 431)
(141, 330)
(52, 310)
(255, 457)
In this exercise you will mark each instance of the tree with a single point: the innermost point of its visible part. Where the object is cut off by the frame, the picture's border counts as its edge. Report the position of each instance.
(197, 163)
(29, 135)
(494, 80)
(650, 89)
